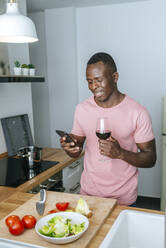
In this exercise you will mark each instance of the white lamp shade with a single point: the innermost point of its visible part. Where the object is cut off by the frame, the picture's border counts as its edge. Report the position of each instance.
(16, 28)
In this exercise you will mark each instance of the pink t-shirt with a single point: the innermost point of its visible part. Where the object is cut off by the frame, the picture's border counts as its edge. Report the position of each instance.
(130, 123)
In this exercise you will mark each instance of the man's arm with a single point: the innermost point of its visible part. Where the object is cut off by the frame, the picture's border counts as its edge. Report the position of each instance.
(70, 148)
(145, 158)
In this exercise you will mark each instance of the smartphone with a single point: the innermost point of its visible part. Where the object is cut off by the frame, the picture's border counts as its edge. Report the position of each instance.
(68, 137)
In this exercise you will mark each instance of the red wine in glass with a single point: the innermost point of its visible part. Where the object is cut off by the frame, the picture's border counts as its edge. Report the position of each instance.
(103, 132)
(103, 128)
(104, 135)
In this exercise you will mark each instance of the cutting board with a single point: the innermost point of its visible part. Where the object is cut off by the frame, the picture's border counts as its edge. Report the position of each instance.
(101, 208)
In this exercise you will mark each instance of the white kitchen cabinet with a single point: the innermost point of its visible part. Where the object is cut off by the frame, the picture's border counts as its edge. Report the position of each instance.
(72, 176)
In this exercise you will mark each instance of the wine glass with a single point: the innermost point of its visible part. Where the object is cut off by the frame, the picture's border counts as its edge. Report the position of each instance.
(103, 130)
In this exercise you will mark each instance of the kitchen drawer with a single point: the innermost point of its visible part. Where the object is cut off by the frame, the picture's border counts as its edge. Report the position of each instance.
(75, 189)
(72, 176)
(73, 168)
(72, 180)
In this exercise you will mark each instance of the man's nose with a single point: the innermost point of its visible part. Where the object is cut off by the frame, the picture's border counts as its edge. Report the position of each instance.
(95, 85)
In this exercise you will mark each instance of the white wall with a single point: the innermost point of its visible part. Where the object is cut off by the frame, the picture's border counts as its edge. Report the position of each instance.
(62, 70)
(40, 91)
(133, 34)
(16, 98)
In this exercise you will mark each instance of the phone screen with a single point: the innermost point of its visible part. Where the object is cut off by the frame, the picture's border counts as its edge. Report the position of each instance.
(63, 133)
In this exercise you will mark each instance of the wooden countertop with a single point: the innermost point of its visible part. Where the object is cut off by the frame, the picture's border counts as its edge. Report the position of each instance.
(18, 198)
(5, 192)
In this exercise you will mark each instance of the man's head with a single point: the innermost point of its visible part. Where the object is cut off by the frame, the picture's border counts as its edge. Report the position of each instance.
(106, 59)
(102, 77)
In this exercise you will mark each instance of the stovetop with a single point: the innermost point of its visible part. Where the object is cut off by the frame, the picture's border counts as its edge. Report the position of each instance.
(16, 171)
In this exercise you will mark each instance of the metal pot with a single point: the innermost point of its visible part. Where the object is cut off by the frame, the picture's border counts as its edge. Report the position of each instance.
(31, 153)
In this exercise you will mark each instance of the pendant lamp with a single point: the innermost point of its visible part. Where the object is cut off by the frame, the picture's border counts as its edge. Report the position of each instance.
(16, 28)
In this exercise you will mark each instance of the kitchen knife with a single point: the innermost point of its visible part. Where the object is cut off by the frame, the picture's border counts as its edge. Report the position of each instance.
(40, 205)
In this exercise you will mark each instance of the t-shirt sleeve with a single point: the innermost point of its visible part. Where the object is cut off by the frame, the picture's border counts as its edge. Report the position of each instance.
(77, 128)
(144, 130)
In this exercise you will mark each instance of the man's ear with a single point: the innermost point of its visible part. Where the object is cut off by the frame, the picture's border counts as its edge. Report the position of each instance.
(115, 76)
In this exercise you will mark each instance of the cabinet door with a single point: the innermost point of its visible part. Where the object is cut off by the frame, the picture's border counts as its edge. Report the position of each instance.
(72, 176)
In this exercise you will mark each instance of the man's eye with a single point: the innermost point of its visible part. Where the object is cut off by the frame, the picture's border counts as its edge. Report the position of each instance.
(99, 80)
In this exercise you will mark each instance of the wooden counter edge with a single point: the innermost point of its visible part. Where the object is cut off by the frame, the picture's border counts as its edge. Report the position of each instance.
(3, 155)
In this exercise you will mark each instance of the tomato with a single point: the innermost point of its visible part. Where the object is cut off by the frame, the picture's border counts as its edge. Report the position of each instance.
(29, 221)
(11, 219)
(62, 206)
(53, 211)
(16, 228)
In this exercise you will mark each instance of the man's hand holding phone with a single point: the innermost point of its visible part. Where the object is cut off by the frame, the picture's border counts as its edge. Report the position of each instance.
(69, 144)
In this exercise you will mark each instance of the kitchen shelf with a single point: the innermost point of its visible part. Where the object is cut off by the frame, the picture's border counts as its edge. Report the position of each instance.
(21, 79)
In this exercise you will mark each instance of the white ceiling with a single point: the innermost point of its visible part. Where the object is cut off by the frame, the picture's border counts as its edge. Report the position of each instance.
(40, 5)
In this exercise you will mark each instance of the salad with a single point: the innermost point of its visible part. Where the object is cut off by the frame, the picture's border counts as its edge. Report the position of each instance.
(60, 227)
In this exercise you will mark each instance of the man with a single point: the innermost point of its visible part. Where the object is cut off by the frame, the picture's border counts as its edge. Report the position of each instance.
(131, 145)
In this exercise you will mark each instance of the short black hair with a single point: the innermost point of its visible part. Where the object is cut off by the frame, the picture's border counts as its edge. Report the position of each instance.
(105, 58)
